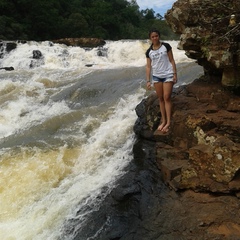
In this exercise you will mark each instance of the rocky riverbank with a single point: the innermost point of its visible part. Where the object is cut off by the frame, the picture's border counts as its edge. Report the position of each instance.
(155, 200)
(202, 150)
(198, 159)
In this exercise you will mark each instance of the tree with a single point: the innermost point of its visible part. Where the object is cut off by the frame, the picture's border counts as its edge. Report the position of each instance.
(52, 19)
(148, 14)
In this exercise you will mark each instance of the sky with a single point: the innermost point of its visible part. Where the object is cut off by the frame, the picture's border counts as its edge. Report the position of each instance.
(159, 6)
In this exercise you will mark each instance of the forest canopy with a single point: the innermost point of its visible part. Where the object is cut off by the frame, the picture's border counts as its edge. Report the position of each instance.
(53, 19)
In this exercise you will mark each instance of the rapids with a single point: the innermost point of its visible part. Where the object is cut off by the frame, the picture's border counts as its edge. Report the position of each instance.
(66, 130)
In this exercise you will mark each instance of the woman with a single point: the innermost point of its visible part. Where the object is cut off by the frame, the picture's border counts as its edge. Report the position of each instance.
(161, 63)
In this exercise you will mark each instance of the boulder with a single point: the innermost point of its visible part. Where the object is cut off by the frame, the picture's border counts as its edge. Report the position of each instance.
(7, 68)
(6, 46)
(209, 36)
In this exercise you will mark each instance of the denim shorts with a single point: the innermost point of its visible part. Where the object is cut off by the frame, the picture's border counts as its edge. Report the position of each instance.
(157, 79)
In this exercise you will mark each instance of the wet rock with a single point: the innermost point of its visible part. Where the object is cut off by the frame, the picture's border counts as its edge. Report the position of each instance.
(6, 47)
(10, 46)
(38, 59)
(148, 209)
(148, 117)
(7, 68)
(37, 54)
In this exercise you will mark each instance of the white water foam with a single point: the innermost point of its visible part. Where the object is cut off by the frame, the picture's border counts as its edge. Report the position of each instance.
(46, 205)
(115, 54)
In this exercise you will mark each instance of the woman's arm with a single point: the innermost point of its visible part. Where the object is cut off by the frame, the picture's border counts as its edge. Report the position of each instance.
(148, 73)
(172, 61)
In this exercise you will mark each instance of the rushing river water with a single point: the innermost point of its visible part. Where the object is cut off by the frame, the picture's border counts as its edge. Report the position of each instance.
(66, 130)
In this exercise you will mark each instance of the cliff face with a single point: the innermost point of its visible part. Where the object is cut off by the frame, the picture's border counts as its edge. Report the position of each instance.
(198, 159)
(202, 149)
(211, 35)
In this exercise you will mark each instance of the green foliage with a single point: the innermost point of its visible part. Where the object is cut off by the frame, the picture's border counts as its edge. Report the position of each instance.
(52, 19)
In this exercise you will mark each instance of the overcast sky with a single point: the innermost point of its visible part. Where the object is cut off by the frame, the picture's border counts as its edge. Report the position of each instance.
(159, 6)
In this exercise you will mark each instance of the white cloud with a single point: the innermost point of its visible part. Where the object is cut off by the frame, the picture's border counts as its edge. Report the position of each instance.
(160, 6)
(143, 4)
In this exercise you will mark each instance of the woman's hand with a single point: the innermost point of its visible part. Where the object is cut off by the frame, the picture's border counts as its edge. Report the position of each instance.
(148, 85)
(174, 78)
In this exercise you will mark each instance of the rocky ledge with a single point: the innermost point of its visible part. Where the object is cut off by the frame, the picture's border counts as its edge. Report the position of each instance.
(202, 149)
(210, 33)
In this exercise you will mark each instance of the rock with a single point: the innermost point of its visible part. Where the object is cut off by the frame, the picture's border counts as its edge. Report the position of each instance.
(81, 42)
(148, 117)
(207, 37)
(9, 45)
(122, 193)
(202, 149)
(6, 46)
(38, 59)
(37, 54)
(142, 207)
(8, 68)
(172, 169)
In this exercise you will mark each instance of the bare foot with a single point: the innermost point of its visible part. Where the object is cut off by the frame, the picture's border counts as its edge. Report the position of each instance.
(161, 126)
(166, 128)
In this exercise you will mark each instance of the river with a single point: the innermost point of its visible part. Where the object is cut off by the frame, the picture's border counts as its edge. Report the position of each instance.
(66, 130)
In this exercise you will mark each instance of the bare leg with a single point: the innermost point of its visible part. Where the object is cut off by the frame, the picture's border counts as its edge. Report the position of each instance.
(159, 91)
(167, 91)
(163, 114)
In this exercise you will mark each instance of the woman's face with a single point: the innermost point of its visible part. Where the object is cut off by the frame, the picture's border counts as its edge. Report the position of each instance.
(154, 37)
